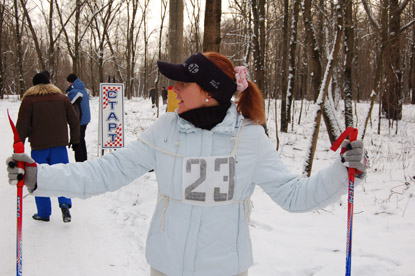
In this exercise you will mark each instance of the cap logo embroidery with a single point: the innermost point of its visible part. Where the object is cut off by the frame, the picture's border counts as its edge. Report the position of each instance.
(214, 83)
(193, 68)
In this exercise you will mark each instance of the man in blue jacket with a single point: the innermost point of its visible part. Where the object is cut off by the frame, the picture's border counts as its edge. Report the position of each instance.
(80, 99)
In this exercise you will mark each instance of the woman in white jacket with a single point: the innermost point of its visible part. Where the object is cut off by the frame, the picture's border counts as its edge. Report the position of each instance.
(208, 156)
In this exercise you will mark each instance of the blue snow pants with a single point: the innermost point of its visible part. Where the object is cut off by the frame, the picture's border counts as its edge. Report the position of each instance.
(50, 156)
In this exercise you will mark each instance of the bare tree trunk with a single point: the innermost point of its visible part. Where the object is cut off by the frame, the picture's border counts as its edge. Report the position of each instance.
(316, 67)
(34, 36)
(194, 12)
(50, 66)
(393, 74)
(163, 9)
(101, 24)
(412, 74)
(117, 64)
(324, 90)
(382, 29)
(349, 54)
(259, 41)
(292, 57)
(258, 10)
(211, 37)
(145, 67)
(313, 48)
(92, 70)
(284, 67)
(176, 31)
(2, 69)
(392, 105)
(19, 57)
(72, 46)
(132, 8)
(76, 45)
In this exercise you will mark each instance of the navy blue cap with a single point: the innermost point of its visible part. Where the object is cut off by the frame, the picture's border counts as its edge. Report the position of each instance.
(199, 69)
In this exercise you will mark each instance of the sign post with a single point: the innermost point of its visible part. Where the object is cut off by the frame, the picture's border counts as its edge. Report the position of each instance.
(111, 116)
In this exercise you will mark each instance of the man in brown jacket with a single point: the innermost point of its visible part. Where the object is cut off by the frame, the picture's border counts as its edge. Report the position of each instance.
(44, 115)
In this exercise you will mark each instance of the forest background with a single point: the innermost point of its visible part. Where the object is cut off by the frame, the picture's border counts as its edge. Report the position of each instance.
(333, 53)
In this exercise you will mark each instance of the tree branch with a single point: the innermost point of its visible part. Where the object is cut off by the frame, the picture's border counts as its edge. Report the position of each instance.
(372, 18)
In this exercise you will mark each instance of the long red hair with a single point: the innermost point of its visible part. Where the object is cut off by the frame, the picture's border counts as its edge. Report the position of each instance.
(249, 102)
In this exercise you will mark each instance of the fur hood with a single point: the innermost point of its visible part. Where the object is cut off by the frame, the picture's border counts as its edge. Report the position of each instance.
(42, 89)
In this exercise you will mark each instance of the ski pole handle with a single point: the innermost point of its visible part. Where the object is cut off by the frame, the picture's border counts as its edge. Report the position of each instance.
(352, 133)
(19, 148)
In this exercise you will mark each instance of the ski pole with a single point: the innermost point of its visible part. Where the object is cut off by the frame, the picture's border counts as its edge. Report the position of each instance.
(18, 148)
(352, 133)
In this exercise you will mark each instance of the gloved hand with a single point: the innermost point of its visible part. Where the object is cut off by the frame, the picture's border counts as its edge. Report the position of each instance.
(29, 172)
(353, 155)
(74, 146)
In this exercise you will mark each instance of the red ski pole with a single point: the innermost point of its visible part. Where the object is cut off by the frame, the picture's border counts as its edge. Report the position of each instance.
(352, 133)
(18, 148)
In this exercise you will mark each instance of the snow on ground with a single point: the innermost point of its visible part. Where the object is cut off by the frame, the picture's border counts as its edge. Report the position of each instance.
(108, 232)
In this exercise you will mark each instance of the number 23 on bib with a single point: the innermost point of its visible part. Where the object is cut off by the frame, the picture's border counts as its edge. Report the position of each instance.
(208, 181)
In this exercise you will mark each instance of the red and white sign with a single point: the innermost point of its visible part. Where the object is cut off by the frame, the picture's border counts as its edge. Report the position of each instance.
(112, 115)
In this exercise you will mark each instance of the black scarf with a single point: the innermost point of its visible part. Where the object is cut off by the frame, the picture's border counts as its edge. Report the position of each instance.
(206, 117)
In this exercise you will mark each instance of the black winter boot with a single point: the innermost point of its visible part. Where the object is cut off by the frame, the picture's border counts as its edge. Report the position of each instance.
(66, 215)
(37, 217)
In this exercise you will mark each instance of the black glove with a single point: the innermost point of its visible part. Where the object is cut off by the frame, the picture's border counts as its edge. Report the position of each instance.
(74, 146)
(29, 172)
(353, 155)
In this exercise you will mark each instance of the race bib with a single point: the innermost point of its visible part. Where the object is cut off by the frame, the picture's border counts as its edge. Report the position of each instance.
(208, 181)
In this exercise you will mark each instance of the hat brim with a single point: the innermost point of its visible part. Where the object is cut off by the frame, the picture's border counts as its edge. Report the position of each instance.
(173, 71)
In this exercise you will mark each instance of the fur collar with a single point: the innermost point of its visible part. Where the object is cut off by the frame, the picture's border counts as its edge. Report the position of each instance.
(42, 89)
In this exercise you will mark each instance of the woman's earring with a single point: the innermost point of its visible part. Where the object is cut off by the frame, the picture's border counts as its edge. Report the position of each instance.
(207, 100)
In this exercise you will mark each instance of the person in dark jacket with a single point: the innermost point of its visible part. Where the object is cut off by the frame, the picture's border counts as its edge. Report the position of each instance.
(44, 115)
(164, 95)
(80, 99)
(153, 96)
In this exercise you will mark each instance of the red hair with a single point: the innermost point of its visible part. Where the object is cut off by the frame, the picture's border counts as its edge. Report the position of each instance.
(250, 102)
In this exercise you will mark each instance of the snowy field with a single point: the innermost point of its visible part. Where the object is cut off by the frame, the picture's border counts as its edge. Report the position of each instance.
(107, 234)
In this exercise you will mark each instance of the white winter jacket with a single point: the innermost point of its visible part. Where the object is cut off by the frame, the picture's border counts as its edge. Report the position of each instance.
(186, 239)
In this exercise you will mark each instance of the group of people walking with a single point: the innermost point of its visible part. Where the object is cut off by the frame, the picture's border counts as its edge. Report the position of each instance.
(44, 116)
